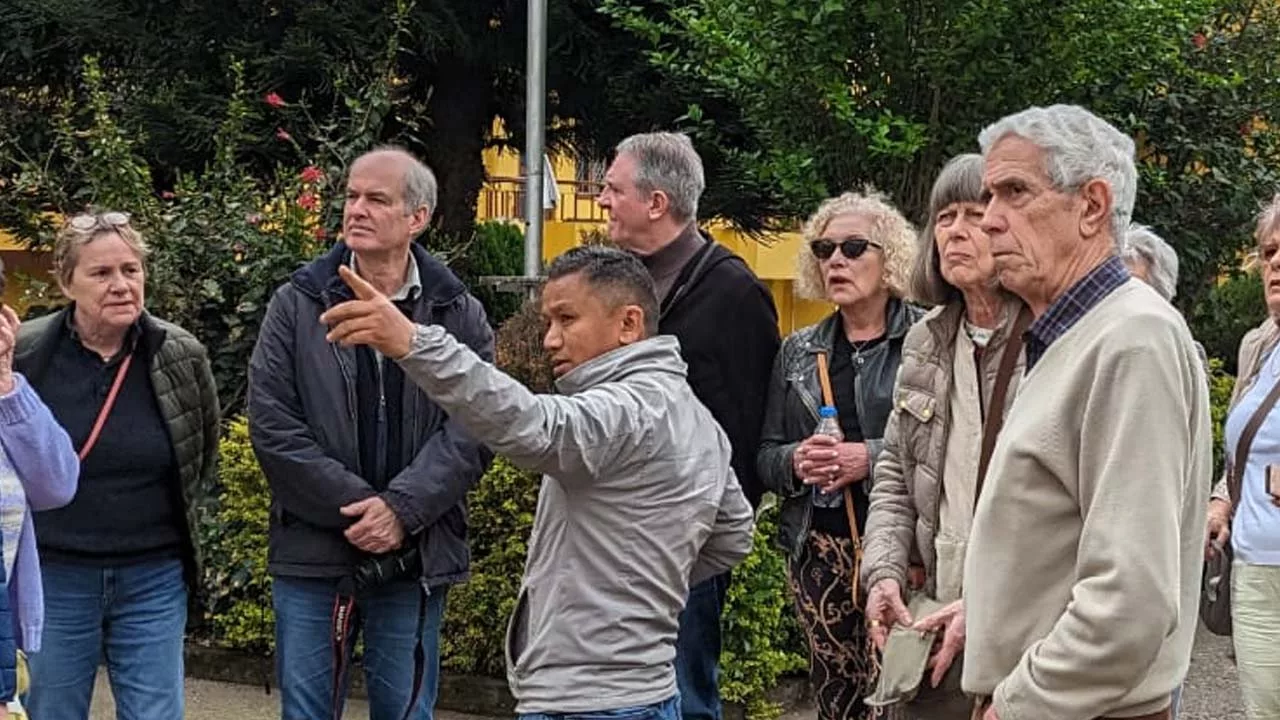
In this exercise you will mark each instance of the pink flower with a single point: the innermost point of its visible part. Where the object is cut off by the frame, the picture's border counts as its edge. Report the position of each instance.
(308, 201)
(167, 195)
(312, 174)
(274, 100)
(1199, 40)
(282, 134)
(253, 219)
(319, 233)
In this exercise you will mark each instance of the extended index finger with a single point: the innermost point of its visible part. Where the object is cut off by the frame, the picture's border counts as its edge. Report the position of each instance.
(344, 311)
(358, 285)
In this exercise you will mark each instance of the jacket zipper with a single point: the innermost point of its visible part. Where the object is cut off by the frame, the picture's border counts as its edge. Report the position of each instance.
(380, 462)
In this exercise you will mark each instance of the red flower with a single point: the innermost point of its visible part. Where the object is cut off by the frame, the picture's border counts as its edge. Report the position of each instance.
(281, 134)
(319, 233)
(312, 174)
(167, 195)
(1199, 40)
(274, 100)
(253, 219)
(308, 201)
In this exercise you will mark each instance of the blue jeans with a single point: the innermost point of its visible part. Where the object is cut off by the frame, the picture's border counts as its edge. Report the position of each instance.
(135, 616)
(698, 650)
(388, 619)
(665, 710)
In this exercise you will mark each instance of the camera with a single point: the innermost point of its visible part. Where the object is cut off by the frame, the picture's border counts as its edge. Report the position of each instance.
(379, 570)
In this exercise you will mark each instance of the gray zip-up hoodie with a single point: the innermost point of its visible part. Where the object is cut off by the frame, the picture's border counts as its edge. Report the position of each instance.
(638, 502)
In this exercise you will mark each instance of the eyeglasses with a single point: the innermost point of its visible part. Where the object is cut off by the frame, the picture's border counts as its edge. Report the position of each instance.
(105, 221)
(852, 247)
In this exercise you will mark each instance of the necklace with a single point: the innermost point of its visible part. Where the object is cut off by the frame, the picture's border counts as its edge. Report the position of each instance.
(860, 345)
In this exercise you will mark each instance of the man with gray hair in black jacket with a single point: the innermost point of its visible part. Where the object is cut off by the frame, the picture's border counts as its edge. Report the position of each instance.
(727, 325)
(368, 476)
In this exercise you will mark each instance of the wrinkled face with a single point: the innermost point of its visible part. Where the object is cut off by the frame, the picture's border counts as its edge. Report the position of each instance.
(1034, 227)
(1269, 254)
(107, 283)
(964, 250)
(630, 211)
(846, 280)
(374, 218)
(583, 323)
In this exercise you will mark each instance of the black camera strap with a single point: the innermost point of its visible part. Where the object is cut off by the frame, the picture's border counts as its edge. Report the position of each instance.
(344, 612)
(344, 619)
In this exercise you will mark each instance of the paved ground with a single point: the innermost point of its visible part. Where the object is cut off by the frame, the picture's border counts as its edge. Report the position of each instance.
(1211, 694)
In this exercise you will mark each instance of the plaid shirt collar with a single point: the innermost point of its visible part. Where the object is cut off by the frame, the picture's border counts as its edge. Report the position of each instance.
(1074, 304)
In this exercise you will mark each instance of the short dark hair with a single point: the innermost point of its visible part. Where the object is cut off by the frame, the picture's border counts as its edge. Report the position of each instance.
(614, 271)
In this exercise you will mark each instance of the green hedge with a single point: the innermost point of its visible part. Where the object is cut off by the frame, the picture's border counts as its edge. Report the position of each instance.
(760, 643)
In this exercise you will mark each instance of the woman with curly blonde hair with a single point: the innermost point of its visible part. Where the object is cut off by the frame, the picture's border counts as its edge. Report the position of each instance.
(858, 255)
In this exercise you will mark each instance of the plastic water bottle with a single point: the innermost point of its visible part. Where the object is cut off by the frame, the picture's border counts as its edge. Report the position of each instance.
(829, 425)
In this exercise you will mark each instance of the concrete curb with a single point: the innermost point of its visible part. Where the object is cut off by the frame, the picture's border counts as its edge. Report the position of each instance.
(470, 694)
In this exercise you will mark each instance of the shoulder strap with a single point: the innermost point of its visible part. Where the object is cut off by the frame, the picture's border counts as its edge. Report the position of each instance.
(106, 407)
(1236, 479)
(995, 414)
(824, 378)
(693, 269)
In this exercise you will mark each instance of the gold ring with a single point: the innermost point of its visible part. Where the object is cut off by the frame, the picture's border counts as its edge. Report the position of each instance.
(874, 623)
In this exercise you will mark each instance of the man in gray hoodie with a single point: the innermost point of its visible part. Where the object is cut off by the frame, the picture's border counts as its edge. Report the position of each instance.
(638, 499)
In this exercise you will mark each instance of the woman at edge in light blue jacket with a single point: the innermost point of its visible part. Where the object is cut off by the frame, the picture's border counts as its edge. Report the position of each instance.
(38, 471)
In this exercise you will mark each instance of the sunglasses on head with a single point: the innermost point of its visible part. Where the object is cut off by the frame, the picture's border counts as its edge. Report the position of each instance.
(852, 247)
(103, 221)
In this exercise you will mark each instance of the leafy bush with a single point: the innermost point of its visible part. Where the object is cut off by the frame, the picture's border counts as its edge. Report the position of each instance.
(1233, 307)
(236, 587)
(501, 517)
(761, 637)
(496, 249)
(1220, 384)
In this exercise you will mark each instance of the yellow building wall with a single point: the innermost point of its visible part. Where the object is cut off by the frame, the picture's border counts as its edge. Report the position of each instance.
(20, 262)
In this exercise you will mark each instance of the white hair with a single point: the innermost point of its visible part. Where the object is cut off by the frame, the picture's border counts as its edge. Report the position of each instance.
(1078, 146)
(1143, 245)
(668, 163)
(420, 186)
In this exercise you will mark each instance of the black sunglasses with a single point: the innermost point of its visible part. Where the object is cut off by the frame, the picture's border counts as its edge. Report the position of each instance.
(852, 247)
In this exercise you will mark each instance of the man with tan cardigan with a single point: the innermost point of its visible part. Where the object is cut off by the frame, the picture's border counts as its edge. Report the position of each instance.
(1084, 564)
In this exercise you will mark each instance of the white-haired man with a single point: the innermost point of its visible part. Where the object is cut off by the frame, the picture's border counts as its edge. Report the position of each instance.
(368, 476)
(1084, 565)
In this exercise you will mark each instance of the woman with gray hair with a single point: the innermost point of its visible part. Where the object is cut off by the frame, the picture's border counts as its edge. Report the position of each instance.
(1155, 262)
(1151, 259)
(136, 395)
(858, 256)
(960, 368)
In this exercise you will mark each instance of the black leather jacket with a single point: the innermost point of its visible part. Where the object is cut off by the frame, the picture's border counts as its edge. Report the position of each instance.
(795, 394)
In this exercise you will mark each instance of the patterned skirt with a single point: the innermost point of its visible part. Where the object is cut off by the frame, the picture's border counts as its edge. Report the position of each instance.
(842, 667)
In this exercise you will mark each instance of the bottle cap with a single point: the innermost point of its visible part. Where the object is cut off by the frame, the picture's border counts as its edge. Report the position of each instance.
(826, 411)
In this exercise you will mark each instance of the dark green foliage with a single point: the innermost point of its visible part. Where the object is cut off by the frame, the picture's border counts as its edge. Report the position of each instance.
(1231, 308)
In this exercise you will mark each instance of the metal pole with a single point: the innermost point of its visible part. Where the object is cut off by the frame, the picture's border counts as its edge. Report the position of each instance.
(535, 100)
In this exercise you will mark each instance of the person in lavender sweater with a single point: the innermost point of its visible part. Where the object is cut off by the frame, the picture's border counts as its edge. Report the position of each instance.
(39, 470)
